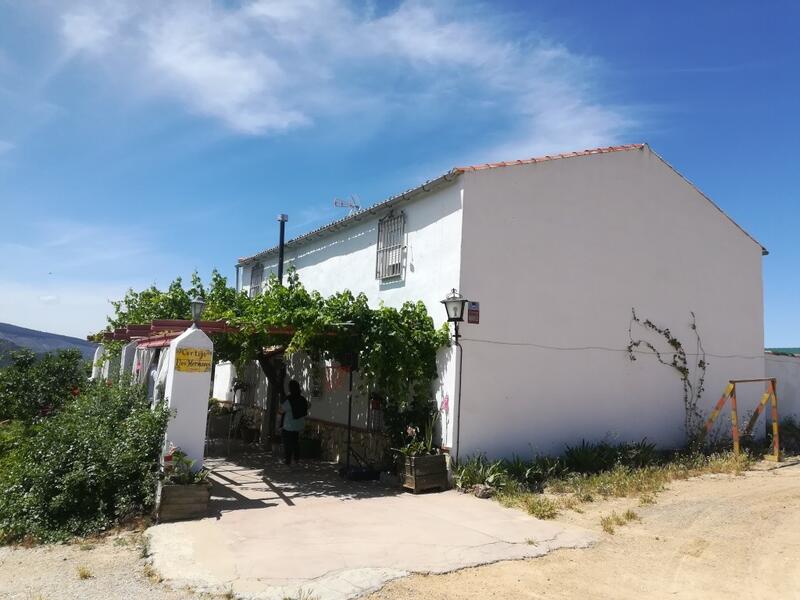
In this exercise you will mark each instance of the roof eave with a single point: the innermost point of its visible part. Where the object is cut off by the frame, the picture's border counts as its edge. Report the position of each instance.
(764, 251)
(347, 221)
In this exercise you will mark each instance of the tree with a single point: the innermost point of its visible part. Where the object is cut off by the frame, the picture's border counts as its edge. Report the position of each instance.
(33, 385)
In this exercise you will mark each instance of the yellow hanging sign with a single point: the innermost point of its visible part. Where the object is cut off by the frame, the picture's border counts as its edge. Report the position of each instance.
(193, 360)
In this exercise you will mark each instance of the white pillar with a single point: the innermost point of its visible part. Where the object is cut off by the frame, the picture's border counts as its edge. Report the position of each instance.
(97, 362)
(187, 388)
(126, 358)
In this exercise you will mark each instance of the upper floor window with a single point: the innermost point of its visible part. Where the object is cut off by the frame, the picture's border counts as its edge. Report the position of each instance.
(256, 276)
(389, 262)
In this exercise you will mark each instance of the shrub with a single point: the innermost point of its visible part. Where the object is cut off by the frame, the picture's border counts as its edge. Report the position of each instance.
(478, 470)
(90, 465)
(589, 458)
(32, 386)
(790, 434)
(11, 435)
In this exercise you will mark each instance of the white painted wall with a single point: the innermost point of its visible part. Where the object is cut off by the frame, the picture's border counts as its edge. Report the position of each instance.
(346, 260)
(558, 253)
(331, 404)
(187, 395)
(787, 371)
(224, 372)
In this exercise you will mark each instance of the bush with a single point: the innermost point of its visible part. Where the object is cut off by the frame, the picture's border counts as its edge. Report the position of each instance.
(589, 458)
(790, 434)
(478, 470)
(11, 435)
(32, 386)
(92, 464)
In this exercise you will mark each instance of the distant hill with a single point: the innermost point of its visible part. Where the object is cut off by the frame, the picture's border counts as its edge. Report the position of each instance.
(13, 338)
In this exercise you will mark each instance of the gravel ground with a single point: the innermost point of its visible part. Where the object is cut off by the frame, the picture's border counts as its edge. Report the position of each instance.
(716, 537)
(113, 568)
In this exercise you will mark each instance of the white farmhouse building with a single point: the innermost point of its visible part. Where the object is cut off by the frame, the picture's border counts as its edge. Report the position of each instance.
(557, 251)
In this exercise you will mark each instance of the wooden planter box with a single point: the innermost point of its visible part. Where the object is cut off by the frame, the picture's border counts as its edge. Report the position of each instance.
(425, 473)
(179, 502)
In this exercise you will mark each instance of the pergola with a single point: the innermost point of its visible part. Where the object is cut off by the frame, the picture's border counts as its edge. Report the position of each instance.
(160, 332)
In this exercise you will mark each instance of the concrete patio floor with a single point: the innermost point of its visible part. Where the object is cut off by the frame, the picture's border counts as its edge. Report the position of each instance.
(277, 533)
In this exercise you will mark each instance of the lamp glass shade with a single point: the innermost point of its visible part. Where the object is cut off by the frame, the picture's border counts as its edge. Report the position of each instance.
(454, 305)
(197, 306)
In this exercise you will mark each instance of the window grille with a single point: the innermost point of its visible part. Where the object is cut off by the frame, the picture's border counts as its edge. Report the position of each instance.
(389, 261)
(256, 275)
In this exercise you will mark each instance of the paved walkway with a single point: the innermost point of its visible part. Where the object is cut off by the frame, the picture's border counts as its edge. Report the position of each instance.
(277, 533)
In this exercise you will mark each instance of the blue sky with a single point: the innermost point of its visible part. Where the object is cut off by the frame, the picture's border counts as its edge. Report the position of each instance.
(140, 140)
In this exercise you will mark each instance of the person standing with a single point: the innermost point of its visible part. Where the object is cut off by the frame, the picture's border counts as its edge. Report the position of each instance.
(294, 410)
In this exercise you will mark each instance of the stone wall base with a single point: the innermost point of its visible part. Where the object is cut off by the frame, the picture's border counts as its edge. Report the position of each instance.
(371, 445)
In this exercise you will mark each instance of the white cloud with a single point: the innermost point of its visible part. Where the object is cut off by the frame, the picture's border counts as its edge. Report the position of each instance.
(77, 308)
(266, 66)
(5, 147)
(63, 248)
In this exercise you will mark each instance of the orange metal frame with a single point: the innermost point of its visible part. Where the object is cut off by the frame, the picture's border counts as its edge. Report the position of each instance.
(770, 396)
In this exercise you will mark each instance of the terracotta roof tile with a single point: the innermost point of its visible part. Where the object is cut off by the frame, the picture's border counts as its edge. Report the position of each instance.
(528, 161)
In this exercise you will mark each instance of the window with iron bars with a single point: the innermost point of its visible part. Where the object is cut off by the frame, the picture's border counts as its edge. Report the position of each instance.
(389, 261)
(256, 275)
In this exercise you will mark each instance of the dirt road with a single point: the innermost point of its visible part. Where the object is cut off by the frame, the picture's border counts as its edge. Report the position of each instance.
(712, 537)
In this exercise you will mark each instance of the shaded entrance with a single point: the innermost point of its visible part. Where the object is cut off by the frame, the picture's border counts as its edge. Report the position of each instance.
(256, 479)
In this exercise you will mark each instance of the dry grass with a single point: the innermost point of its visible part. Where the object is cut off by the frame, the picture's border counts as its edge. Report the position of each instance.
(570, 492)
(303, 595)
(152, 574)
(630, 515)
(536, 505)
(84, 572)
(609, 523)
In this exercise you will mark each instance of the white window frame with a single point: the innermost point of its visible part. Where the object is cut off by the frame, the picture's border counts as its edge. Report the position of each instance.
(390, 246)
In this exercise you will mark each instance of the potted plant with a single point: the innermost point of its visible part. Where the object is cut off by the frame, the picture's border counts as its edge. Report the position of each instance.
(250, 427)
(219, 418)
(423, 466)
(182, 492)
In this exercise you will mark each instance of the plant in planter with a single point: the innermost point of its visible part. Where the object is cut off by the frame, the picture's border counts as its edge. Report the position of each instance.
(250, 427)
(219, 418)
(424, 467)
(182, 492)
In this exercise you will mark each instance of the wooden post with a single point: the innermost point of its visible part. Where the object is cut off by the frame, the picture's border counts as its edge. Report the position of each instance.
(714, 413)
(776, 443)
(734, 422)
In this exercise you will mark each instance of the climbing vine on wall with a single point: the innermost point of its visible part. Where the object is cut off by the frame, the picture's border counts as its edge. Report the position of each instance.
(395, 347)
(677, 359)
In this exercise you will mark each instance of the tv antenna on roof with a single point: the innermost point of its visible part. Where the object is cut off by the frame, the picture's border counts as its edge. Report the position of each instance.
(352, 204)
